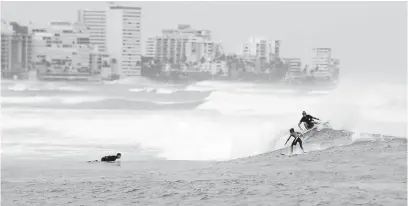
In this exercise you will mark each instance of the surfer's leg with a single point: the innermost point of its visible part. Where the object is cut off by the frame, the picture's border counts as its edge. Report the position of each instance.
(293, 144)
(301, 145)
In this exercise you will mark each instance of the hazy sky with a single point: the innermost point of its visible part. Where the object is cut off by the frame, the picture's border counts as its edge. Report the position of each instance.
(368, 37)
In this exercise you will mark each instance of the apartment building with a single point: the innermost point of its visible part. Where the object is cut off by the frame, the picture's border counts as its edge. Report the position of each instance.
(183, 44)
(96, 22)
(16, 49)
(258, 48)
(123, 38)
(62, 49)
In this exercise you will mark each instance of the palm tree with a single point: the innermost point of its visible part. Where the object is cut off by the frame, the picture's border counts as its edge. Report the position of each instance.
(113, 75)
(184, 59)
(113, 61)
(222, 57)
(105, 64)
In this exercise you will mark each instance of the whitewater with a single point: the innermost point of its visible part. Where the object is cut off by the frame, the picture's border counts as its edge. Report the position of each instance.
(203, 121)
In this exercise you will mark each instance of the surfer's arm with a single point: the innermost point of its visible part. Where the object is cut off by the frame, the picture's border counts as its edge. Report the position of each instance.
(299, 125)
(315, 118)
(288, 139)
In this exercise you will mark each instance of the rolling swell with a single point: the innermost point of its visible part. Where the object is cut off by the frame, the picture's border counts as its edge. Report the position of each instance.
(101, 97)
(122, 104)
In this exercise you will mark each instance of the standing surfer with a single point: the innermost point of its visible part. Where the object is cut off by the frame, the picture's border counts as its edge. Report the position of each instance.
(297, 139)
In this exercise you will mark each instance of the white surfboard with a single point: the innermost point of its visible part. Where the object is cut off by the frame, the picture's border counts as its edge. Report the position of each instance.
(294, 154)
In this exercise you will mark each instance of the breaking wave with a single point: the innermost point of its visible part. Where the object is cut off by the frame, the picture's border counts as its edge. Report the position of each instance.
(230, 121)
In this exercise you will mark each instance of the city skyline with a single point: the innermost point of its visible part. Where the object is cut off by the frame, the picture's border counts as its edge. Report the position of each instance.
(358, 32)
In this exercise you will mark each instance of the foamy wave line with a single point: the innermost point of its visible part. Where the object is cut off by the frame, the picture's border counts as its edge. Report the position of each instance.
(166, 91)
(141, 89)
(156, 90)
(74, 89)
(218, 86)
(318, 92)
(266, 91)
(24, 87)
(21, 87)
(170, 103)
(80, 100)
(63, 100)
(198, 89)
(25, 100)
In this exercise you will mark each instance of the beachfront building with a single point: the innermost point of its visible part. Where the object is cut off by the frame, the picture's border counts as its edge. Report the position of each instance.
(101, 64)
(183, 44)
(258, 48)
(277, 50)
(150, 47)
(295, 68)
(321, 59)
(215, 68)
(335, 69)
(116, 30)
(62, 50)
(96, 22)
(123, 38)
(16, 50)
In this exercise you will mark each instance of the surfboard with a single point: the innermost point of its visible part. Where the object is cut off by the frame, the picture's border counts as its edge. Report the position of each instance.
(293, 154)
(117, 163)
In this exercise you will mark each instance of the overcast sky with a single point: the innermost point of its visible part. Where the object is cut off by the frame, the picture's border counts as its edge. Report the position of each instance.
(368, 37)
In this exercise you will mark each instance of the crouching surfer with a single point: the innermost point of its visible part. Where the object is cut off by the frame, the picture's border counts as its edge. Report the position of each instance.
(308, 120)
(111, 158)
(297, 139)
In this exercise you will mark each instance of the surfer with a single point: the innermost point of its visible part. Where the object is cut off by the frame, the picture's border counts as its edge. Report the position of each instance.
(308, 120)
(297, 139)
(111, 158)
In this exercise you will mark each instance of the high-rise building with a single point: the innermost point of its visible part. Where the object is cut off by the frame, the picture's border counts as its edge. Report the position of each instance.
(117, 31)
(258, 48)
(277, 49)
(150, 47)
(96, 22)
(321, 59)
(16, 49)
(123, 38)
(183, 44)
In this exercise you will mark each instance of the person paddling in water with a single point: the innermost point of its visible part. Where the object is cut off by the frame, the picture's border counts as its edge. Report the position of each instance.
(308, 120)
(111, 158)
(297, 139)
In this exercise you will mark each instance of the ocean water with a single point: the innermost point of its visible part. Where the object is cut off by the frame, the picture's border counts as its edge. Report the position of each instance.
(204, 121)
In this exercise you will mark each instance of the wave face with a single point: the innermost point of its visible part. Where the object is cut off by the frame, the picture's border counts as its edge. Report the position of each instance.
(204, 121)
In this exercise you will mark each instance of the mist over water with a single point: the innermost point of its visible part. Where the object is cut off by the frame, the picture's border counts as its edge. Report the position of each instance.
(227, 120)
